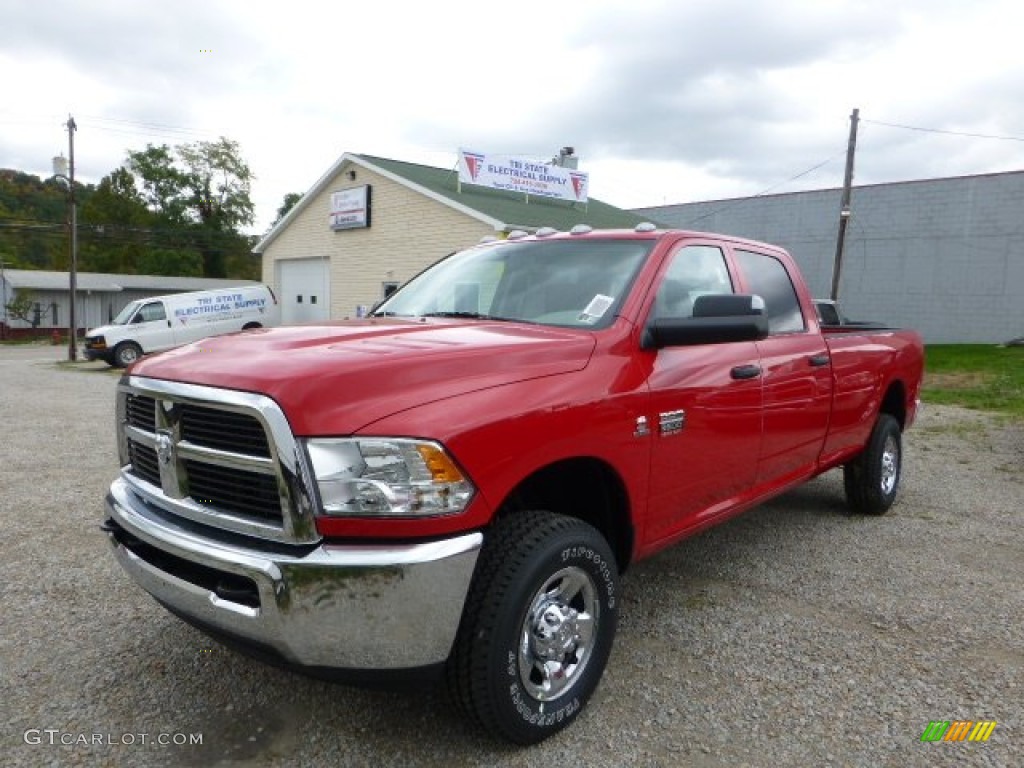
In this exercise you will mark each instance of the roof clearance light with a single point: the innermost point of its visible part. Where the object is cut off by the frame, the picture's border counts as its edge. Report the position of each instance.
(581, 229)
(645, 226)
(517, 234)
(546, 232)
(488, 239)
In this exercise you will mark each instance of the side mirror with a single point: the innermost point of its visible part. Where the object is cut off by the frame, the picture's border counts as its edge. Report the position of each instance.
(717, 319)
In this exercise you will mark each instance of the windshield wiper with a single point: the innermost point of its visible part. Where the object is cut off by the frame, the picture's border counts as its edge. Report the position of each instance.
(466, 315)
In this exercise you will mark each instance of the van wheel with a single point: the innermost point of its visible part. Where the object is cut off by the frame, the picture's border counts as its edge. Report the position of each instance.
(537, 628)
(126, 353)
(250, 326)
(873, 478)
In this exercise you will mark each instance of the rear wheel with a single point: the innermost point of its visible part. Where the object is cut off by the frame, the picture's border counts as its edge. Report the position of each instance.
(872, 479)
(126, 353)
(538, 626)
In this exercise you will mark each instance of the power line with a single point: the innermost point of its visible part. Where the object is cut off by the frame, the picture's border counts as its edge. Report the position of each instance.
(940, 130)
(765, 191)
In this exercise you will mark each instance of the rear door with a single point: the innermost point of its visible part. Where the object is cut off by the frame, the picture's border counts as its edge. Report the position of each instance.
(796, 372)
(705, 413)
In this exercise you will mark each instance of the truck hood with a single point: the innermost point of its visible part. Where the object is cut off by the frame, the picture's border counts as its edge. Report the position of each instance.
(336, 378)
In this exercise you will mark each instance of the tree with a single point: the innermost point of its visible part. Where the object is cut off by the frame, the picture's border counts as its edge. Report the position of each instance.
(114, 226)
(202, 187)
(169, 261)
(218, 182)
(22, 306)
(33, 219)
(290, 199)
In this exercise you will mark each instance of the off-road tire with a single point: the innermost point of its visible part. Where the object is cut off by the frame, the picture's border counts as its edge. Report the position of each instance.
(872, 480)
(539, 574)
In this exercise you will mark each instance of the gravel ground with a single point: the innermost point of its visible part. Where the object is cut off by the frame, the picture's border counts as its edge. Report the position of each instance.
(796, 635)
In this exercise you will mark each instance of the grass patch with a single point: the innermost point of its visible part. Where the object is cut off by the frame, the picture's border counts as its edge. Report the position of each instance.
(984, 377)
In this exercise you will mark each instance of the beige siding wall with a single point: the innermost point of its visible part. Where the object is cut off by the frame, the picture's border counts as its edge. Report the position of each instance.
(408, 231)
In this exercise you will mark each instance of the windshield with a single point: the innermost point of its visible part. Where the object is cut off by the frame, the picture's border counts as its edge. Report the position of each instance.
(568, 283)
(125, 314)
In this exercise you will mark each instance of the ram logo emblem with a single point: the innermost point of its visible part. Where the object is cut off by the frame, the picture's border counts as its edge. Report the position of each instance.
(164, 447)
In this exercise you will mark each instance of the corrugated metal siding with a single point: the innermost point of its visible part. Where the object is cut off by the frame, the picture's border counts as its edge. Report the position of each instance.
(944, 256)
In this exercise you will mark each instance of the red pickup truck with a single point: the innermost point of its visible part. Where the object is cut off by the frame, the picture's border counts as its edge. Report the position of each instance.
(452, 486)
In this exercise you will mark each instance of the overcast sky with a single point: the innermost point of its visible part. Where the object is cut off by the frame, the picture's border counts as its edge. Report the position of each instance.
(666, 102)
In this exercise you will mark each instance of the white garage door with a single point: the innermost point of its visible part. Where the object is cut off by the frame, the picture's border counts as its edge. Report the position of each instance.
(303, 293)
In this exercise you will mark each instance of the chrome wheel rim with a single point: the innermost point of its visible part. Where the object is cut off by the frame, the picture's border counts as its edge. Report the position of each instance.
(890, 465)
(129, 355)
(557, 636)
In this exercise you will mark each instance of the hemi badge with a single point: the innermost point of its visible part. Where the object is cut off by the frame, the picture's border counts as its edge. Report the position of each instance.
(671, 422)
(642, 430)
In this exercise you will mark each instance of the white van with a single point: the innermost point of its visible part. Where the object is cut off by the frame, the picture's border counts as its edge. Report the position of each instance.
(161, 322)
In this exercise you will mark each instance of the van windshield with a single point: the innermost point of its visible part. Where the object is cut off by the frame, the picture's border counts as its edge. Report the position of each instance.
(125, 314)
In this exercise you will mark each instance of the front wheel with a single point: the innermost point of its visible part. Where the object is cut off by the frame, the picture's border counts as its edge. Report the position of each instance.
(873, 478)
(538, 626)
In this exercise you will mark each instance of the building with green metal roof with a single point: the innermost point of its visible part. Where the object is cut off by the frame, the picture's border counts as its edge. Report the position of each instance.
(399, 218)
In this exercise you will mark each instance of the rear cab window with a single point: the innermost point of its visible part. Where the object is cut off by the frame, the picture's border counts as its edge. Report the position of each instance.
(767, 277)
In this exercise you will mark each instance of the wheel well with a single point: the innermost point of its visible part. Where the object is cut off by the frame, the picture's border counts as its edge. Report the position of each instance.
(250, 326)
(584, 488)
(895, 402)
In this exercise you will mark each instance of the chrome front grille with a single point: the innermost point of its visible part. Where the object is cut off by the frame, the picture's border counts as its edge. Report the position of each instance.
(141, 412)
(224, 430)
(234, 490)
(144, 462)
(218, 457)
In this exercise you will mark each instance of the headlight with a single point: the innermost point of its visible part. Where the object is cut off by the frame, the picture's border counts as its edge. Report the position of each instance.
(385, 477)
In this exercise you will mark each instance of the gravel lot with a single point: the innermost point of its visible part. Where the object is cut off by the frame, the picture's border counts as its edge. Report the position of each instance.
(796, 635)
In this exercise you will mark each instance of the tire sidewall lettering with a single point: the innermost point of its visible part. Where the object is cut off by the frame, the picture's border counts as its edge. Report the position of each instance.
(529, 710)
(603, 568)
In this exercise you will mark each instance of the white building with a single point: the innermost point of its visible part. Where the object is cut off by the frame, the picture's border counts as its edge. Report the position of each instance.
(98, 299)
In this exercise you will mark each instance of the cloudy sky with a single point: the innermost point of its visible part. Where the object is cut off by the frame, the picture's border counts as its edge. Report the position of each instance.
(665, 102)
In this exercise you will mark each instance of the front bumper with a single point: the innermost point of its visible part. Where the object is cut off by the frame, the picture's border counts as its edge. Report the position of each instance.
(346, 607)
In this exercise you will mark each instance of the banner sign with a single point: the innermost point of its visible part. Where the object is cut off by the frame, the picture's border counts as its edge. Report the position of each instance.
(350, 208)
(519, 174)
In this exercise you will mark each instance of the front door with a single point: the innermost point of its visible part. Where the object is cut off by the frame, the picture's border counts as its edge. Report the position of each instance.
(705, 414)
(151, 328)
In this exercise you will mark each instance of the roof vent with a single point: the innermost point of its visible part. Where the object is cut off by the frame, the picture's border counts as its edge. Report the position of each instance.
(645, 226)
(581, 229)
(517, 234)
(546, 232)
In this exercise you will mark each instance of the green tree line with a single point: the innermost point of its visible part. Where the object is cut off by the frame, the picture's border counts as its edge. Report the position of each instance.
(166, 211)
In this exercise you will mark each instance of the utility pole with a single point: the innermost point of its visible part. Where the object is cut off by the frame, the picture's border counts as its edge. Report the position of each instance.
(3, 285)
(73, 342)
(844, 206)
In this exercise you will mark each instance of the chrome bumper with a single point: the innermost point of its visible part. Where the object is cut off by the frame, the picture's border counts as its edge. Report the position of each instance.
(380, 607)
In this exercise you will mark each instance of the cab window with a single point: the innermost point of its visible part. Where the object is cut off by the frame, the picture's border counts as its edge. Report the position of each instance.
(695, 270)
(150, 312)
(767, 277)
